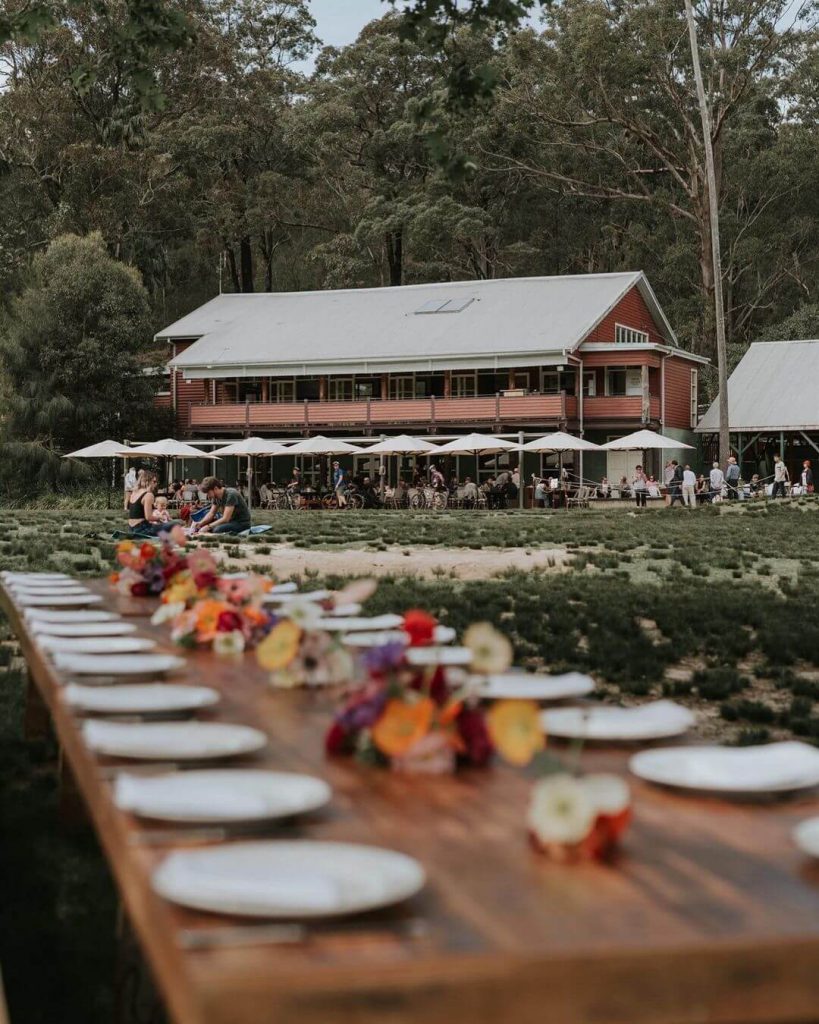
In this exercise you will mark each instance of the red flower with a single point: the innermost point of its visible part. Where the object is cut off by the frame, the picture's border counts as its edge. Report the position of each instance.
(147, 551)
(475, 736)
(335, 742)
(205, 580)
(140, 589)
(228, 622)
(420, 626)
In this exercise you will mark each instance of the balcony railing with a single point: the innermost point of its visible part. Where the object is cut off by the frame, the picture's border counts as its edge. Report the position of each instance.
(498, 409)
(621, 407)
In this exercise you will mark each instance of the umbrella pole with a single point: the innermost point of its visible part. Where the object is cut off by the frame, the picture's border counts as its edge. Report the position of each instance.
(250, 481)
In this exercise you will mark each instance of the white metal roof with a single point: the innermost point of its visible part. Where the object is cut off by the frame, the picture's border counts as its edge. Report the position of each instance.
(774, 387)
(505, 322)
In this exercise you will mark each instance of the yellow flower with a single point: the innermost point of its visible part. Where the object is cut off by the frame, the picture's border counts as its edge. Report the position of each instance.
(491, 651)
(515, 729)
(181, 590)
(280, 646)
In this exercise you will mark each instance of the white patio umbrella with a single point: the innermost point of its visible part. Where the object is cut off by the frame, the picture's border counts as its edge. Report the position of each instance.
(477, 445)
(321, 445)
(642, 441)
(101, 450)
(251, 446)
(403, 444)
(170, 449)
(561, 442)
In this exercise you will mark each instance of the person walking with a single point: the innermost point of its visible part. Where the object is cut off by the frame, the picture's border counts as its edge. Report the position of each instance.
(717, 480)
(340, 484)
(732, 477)
(639, 486)
(675, 487)
(807, 477)
(689, 487)
(780, 476)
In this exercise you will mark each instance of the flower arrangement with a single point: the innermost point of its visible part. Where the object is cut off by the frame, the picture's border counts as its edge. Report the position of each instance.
(147, 568)
(420, 718)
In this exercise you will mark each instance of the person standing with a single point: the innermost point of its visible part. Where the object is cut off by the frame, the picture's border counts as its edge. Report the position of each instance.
(340, 484)
(717, 481)
(639, 486)
(732, 477)
(130, 484)
(807, 477)
(675, 487)
(780, 476)
(689, 487)
(668, 476)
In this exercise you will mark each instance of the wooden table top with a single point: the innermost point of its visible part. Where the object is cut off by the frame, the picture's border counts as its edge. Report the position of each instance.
(708, 914)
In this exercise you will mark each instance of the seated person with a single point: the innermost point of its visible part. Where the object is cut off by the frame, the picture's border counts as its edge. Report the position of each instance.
(228, 511)
(653, 488)
(370, 495)
(264, 494)
(625, 487)
(470, 493)
(702, 489)
(160, 513)
(604, 490)
(756, 487)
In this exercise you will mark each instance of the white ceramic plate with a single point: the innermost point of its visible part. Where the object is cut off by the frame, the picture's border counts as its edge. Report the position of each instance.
(174, 741)
(220, 795)
(82, 629)
(8, 574)
(56, 600)
(288, 879)
(83, 615)
(533, 686)
(45, 586)
(23, 594)
(355, 624)
(284, 588)
(378, 638)
(117, 664)
(770, 768)
(806, 836)
(657, 720)
(96, 644)
(423, 656)
(342, 610)
(139, 698)
(275, 596)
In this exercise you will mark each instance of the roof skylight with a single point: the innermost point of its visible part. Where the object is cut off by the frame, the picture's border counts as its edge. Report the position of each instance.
(445, 305)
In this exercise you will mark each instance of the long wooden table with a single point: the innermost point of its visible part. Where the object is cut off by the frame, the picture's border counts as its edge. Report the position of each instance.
(709, 913)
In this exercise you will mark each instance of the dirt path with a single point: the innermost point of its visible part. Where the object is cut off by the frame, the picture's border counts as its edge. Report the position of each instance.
(417, 561)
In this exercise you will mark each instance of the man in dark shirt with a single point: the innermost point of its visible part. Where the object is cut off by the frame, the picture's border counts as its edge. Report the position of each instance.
(228, 511)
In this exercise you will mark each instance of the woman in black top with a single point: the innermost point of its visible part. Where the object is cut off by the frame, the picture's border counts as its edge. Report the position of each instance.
(141, 506)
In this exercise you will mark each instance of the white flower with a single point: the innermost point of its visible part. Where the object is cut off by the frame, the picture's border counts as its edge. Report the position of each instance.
(561, 811)
(609, 793)
(167, 612)
(491, 651)
(229, 643)
(307, 614)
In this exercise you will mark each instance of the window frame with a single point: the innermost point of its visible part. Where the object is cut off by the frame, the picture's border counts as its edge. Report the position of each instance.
(694, 396)
(469, 376)
(333, 383)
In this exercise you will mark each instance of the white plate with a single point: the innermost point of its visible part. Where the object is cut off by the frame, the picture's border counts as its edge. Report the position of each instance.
(220, 795)
(45, 586)
(288, 879)
(95, 644)
(82, 629)
(532, 686)
(175, 741)
(342, 610)
(806, 836)
(770, 768)
(22, 594)
(84, 615)
(379, 638)
(8, 574)
(284, 588)
(423, 656)
(275, 596)
(355, 624)
(657, 720)
(117, 664)
(56, 600)
(139, 698)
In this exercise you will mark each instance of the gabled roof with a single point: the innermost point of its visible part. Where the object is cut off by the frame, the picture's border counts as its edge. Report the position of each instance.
(505, 322)
(774, 387)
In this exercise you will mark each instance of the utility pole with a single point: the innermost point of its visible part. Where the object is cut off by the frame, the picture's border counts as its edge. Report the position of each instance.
(713, 208)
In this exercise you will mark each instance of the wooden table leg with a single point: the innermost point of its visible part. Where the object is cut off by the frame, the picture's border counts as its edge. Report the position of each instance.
(71, 808)
(36, 717)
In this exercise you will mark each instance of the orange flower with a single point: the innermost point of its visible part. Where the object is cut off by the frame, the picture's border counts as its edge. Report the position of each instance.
(254, 616)
(515, 729)
(280, 646)
(207, 617)
(147, 551)
(402, 725)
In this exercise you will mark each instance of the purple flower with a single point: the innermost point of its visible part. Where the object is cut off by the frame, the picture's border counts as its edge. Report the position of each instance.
(155, 579)
(380, 660)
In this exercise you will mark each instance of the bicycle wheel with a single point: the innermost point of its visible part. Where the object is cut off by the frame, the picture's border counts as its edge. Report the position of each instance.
(329, 501)
(417, 501)
(439, 500)
(355, 501)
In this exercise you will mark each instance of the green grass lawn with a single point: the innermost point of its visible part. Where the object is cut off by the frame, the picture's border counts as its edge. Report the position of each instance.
(715, 607)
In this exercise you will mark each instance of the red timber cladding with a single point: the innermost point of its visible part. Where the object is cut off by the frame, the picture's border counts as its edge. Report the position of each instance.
(678, 382)
(184, 393)
(633, 357)
(631, 311)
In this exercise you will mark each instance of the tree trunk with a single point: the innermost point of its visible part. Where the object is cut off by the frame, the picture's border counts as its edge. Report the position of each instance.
(713, 209)
(246, 257)
(234, 270)
(394, 243)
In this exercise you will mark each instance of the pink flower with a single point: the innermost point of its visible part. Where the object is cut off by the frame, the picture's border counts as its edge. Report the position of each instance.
(433, 754)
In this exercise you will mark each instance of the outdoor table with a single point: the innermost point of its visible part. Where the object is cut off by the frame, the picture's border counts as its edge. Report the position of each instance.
(708, 914)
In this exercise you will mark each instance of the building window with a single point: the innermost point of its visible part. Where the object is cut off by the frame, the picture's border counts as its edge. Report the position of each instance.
(402, 387)
(282, 391)
(552, 382)
(464, 385)
(249, 389)
(624, 381)
(589, 383)
(629, 335)
(340, 389)
(694, 383)
(367, 387)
